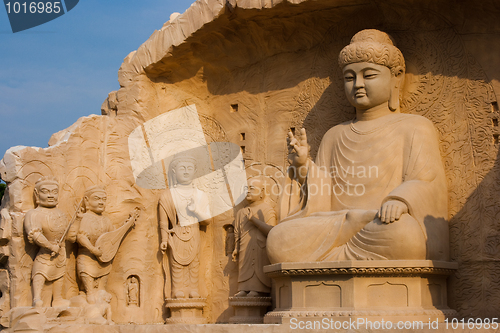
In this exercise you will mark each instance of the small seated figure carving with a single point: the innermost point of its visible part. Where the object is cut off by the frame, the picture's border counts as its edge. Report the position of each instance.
(377, 189)
(99, 313)
(181, 210)
(252, 225)
(48, 227)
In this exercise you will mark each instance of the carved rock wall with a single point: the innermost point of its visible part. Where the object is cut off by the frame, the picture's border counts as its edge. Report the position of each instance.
(255, 69)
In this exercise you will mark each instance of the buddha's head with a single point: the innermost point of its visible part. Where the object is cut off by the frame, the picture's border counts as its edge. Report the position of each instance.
(47, 192)
(256, 190)
(373, 70)
(183, 168)
(95, 199)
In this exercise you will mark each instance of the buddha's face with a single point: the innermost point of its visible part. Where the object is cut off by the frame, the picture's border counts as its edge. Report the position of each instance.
(96, 202)
(47, 195)
(367, 85)
(184, 172)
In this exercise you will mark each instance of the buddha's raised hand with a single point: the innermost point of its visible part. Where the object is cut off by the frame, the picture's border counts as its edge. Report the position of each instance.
(298, 149)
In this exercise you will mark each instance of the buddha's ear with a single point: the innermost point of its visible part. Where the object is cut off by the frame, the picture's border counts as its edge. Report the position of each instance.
(37, 196)
(397, 83)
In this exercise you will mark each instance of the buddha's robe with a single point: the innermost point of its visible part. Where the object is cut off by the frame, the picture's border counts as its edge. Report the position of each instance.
(395, 157)
(183, 259)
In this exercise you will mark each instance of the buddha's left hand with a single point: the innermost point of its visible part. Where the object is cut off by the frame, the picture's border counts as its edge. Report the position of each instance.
(392, 210)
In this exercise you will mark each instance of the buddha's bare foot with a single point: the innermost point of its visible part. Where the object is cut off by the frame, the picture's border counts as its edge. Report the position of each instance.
(194, 294)
(179, 294)
(253, 294)
(240, 293)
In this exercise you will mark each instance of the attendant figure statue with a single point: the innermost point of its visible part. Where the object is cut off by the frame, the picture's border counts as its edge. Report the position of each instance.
(47, 226)
(377, 189)
(133, 292)
(252, 225)
(181, 210)
(91, 267)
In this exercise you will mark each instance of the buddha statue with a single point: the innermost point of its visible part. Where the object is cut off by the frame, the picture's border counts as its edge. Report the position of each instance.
(181, 210)
(377, 190)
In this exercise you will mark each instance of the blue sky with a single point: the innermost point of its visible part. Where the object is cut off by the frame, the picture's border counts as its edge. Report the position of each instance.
(55, 73)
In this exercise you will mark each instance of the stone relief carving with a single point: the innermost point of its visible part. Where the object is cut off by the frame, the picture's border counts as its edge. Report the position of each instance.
(451, 90)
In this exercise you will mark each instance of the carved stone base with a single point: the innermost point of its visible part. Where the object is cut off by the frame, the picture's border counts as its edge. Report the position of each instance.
(370, 290)
(186, 310)
(249, 310)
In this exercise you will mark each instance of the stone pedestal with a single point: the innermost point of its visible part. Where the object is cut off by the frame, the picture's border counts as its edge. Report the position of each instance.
(249, 310)
(186, 310)
(371, 290)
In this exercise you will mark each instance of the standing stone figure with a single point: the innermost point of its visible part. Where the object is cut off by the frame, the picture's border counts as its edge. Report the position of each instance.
(46, 227)
(393, 202)
(252, 225)
(133, 292)
(92, 269)
(181, 209)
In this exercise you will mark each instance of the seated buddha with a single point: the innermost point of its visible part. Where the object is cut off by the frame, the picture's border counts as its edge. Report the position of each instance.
(377, 190)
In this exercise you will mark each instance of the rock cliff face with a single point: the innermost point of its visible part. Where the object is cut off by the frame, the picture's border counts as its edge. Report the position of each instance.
(254, 70)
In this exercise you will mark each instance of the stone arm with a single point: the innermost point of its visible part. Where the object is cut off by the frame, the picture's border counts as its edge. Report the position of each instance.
(38, 238)
(84, 241)
(237, 236)
(261, 225)
(165, 226)
(73, 230)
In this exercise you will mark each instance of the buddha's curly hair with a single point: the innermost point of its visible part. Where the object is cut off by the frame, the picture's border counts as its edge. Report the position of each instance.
(373, 46)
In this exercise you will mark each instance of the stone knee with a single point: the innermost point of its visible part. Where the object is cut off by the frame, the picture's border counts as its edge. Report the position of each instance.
(408, 240)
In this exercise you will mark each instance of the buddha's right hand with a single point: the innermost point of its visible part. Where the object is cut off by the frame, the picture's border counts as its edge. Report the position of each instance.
(298, 149)
(163, 246)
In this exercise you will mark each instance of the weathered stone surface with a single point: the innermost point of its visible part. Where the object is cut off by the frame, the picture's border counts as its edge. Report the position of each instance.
(275, 62)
